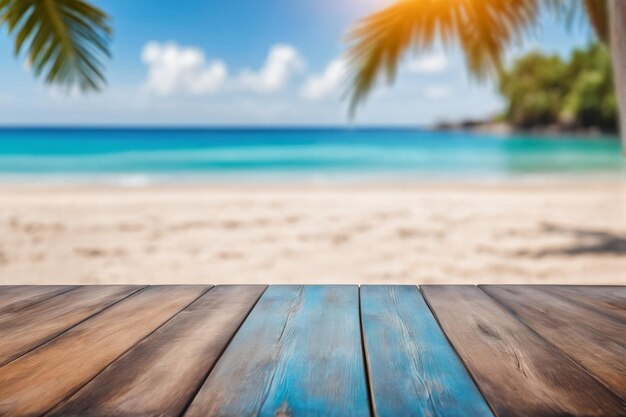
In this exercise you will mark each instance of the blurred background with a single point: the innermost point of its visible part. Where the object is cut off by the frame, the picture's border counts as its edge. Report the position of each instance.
(413, 141)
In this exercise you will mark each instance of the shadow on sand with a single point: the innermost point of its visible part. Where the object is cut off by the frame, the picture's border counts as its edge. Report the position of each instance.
(596, 242)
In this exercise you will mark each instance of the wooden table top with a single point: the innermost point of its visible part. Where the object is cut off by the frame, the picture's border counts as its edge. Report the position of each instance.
(281, 351)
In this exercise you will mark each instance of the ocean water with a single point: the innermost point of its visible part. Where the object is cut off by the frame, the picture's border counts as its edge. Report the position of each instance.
(144, 156)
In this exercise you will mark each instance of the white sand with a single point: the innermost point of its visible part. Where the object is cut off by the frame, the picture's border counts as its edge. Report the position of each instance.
(453, 233)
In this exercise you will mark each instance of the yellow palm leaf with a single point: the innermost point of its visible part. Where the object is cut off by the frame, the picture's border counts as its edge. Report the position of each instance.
(483, 29)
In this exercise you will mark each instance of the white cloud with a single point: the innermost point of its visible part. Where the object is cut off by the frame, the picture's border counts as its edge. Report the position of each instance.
(174, 69)
(319, 86)
(429, 64)
(283, 61)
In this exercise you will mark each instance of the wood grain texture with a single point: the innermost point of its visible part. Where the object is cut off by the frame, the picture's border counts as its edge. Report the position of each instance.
(609, 300)
(413, 370)
(593, 340)
(160, 376)
(14, 298)
(297, 354)
(36, 382)
(518, 372)
(30, 327)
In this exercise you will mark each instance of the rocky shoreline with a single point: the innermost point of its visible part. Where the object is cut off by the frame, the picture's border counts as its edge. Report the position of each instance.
(505, 128)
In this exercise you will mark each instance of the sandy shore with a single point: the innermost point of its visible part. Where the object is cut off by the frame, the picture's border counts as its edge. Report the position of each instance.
(453, 233)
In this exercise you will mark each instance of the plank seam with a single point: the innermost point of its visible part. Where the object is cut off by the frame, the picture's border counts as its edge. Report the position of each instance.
(208, 372)
(370, 388)
(71, 327)
(70, 288)
(555, 347)
(587, 307)
(476, 384)
(71, 394)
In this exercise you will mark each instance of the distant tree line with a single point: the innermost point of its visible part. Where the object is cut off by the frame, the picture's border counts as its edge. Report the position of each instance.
(574, 93)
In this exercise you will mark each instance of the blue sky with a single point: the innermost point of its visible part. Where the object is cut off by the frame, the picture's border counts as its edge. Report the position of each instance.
(251, 62)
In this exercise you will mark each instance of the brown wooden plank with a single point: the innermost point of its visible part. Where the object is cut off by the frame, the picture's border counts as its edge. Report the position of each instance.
(16, 297)
(30, 327)
(609, 300)
(161, 374)
(593, 340)
(519, 373)
(36, 382)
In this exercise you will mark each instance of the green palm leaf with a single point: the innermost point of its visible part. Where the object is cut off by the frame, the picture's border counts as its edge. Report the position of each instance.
(66, 40)
(483, 29)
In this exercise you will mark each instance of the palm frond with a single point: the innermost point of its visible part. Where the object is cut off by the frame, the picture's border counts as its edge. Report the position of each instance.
(483, 29)
(66, 40)
(598, 14)
(595, 12)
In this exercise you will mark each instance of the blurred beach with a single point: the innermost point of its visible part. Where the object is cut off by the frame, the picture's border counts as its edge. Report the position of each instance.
(309, 206)
(414, 234)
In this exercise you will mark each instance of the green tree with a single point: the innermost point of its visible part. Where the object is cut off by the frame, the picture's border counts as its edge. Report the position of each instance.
(535, 89)
(65, 41)
(590, 99)
(544, 89)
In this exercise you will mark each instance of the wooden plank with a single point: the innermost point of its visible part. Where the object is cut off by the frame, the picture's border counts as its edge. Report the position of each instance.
(298, 354)
(161, 374)
(593, 340)
(30, 327)
(36, 382)
(609, 300)
(413, 370)
(16, 297)
(518, 372)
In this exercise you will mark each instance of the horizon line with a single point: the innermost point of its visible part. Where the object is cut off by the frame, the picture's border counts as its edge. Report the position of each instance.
(211, 127)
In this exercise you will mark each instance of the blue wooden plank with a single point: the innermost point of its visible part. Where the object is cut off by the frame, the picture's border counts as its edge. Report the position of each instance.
(413, 370)
(298, 354)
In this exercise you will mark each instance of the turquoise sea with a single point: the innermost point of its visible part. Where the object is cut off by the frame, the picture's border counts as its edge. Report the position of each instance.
(143, 156)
